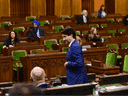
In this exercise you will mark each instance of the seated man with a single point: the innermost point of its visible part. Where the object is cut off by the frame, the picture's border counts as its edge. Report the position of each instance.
(35, 31)
(83, 18)
(38, 76)
(25, 89)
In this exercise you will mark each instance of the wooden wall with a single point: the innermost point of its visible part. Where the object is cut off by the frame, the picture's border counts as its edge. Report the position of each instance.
(97, 4)
(50, 7)
(4, 7)
(20, 8)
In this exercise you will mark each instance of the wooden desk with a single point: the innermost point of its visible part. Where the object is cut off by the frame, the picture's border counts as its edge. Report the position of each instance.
(6, 69)
(103, 70)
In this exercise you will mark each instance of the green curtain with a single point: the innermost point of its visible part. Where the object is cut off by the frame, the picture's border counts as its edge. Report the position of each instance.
(18, 29)
(42, 23)
(125, 67)
(1, 46)
(33, 52)
(3, 24)
(122, 30)
(113, 46)
(124, 45)
(57, 28)
(110, 58)
(29, 18)
(85, 32)
(49, 44)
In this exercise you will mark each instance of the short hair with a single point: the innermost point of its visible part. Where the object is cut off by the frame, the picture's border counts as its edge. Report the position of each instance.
(83, 12)
(69, 31)
(36, 22)
(34, 77)
(25, 89)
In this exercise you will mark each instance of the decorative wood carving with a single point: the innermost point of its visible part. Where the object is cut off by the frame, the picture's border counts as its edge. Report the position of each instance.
(5, 66)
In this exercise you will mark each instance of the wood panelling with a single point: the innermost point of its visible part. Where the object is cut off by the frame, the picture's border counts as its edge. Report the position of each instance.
(50, 7)
(20, 8)
(97, 4)
(88, 5)
(110, 6)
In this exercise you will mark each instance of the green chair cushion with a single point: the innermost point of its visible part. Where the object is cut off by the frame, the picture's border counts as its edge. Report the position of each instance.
(57, 28)
(1, 46)
(105, 38)
(110, 58)
(113, 46)
(29, 18)
(112, 31)
(68, 26)
(94, 26)
(125, 67)
(124, 45)
(16, 55)
(119, 56)
(49, 44)
(110, 20)
(111, 85)
(63, 17)
(18, 29)
(33, 52)
(96, 16)
(119, 19)
(122, 30)
(15, 67)
(62, 41)
(42, 23)
(85, 32)
(3, 24)
(77, 33)
(65, 50)
(104, 25)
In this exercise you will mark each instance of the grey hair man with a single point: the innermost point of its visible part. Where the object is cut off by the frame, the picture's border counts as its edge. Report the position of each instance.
(83, 18)
(38, 76)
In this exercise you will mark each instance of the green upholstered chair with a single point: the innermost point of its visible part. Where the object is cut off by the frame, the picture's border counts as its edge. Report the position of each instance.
(33, 51)
(64, 49)
(94, 25)
(57, 28)
(119, 19)
(3, 24)
(42, 23)
(103, 25)
(104, 86)
(17, 29)
(110, 58)
(84, 32)
(112, 31)
(1, 46)
(125, 67)
(28, 18)
(63, 17)
(124, 45)
(105, 38)
(96, 16)
(49, 43)
(61, 41)
(17, 63)
(111, 20)
(77, 33)
(124, 30)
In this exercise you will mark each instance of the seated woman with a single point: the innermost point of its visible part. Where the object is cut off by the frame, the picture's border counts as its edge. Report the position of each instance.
(102, 12)
(11, 40)
(125, 21)
(94, 36)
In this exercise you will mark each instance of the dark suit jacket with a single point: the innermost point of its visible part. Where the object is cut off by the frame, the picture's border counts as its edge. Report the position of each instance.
(7, 41)
(80, 19)
(76, 73)
(33, 34)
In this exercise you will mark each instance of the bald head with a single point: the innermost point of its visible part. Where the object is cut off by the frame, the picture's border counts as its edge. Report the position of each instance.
(37, 73)
(84, 12)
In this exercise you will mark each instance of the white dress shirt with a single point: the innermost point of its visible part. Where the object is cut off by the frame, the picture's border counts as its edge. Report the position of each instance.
(70, 44)
(103, 14)
(38, 34)
(84, 19)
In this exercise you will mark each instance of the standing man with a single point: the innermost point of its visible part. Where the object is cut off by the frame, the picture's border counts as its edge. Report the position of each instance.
(83, 18)
(35, 31)
(76, 73)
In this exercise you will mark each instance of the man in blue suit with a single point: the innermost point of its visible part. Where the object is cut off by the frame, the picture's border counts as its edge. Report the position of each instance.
(76, 73)
(38, 76)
